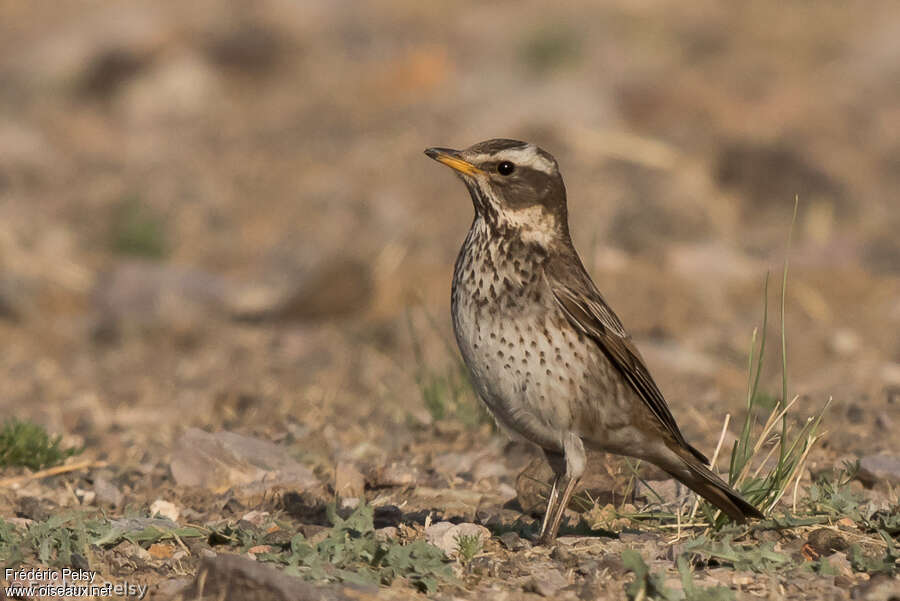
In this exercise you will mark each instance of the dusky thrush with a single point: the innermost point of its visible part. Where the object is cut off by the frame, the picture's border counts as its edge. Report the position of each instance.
(546, 354)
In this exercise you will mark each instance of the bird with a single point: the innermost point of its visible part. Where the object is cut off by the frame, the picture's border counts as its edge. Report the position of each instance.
(546, 354)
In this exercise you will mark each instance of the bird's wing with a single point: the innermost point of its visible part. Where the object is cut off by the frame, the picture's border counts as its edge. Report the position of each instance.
(588, 312)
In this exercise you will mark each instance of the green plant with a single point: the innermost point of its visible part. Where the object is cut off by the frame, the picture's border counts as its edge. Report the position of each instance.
(646, 584)
(26, 444)
(692, 592)
(137, 230)
(756, 557)
(350, 552)
(750, 455)
(468, 546)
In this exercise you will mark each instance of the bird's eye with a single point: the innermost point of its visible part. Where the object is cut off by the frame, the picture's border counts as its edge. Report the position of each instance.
(505, 168)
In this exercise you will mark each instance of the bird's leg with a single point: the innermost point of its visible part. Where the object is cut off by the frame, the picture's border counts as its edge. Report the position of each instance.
(568, 466)
(549, 532)
(557, 463)
(551, 504)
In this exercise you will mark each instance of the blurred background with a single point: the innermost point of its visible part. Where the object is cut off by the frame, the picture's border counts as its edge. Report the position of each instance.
(219, 215)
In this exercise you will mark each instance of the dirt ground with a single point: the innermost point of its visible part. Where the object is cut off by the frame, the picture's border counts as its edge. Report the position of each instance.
(218, 216)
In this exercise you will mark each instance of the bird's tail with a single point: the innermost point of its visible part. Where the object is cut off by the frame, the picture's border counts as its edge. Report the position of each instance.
(702, 481)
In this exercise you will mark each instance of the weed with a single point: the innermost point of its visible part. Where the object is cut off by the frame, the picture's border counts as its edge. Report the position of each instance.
(756, 557)
(57, 540)
(351, 553)
(647, 585)
(692, 592)
(138, 231)
(792, 446)
(26, 444)
(468, 546)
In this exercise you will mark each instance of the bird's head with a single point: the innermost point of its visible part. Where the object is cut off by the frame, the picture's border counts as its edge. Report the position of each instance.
(514, 185)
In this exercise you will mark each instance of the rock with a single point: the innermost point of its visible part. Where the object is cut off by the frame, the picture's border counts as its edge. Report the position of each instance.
(165, 509)
(457, 502)
(883, 468)
(132, 551)
(387, 533)
(106, 492)
(394, 474)
(514, 542)
(546, 582)
(349, 484)
(451, 464)
(161, 551)
(445, 535)
(249, 466)
(177, 88)
(236, 578)
(825, 542)
(840, 564)
(257, 518)
(844, 342)
(489, 469)
(33, 509)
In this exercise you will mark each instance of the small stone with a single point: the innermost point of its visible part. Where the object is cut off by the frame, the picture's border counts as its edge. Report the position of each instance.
(489, 469)
(457, 502)
(445, 535)
(840, 564)
(349, 483)
(514, 542)
(387, 533)
(451, 464)
(844, 342)
(255, 517)
(883, 468)
(546, 582)
(258, 549)
(107, 493)
(87, 497)
(846, 522)
(825, 541)
(161, 551)
(133, 551)
(394, 474)
(166, 509)
(561, 554)
(33, 509)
